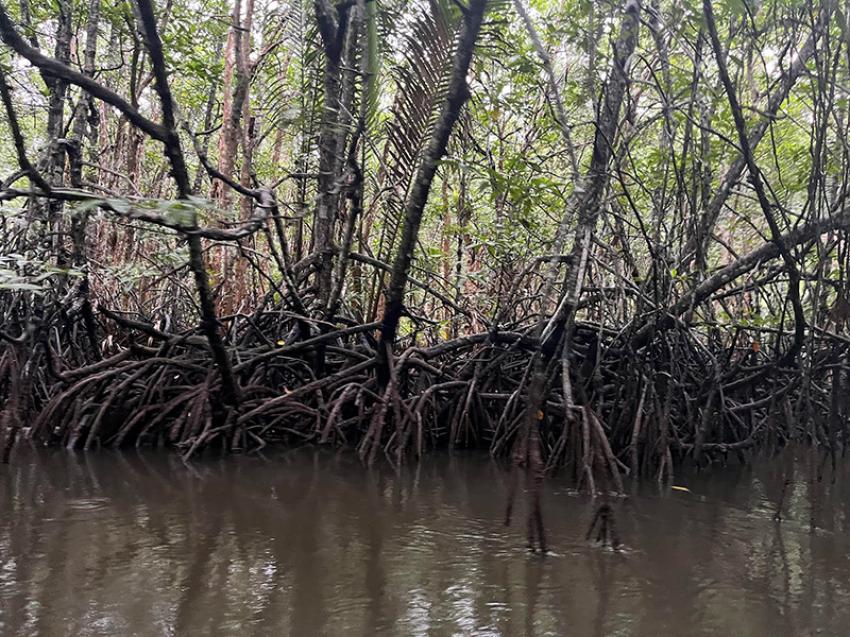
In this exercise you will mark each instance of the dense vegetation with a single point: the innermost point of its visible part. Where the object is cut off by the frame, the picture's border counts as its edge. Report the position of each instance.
(603, 236)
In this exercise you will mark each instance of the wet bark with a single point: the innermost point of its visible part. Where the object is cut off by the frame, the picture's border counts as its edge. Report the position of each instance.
(209, 320)
(458, 93)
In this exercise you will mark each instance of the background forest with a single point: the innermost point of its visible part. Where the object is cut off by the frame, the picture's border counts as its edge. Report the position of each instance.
(600, 235)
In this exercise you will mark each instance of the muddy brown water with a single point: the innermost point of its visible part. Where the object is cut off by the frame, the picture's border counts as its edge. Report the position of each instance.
(312, 543)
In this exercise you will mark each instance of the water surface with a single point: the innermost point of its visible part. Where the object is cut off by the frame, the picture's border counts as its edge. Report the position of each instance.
(312, 543)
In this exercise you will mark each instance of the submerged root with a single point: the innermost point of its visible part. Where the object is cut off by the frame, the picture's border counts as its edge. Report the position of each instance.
(605, 527)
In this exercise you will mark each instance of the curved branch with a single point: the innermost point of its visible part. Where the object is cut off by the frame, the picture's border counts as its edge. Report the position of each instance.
(17, 136)
(242, 230)
(56, 69)
(737, 268)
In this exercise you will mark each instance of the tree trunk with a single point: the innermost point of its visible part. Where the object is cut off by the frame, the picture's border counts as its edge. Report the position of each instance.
(457, 94)
(84, 115)
(698, 242)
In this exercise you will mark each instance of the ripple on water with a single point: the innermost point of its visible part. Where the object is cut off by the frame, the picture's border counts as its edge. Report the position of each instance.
(80, 509)
(281, 548)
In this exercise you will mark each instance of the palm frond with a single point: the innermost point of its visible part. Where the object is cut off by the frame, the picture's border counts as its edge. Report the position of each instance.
(421, 77)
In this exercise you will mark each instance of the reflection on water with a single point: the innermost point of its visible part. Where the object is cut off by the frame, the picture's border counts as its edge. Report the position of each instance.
(312, 543)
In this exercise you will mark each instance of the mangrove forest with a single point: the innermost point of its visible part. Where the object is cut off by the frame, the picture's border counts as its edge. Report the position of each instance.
(604, 241)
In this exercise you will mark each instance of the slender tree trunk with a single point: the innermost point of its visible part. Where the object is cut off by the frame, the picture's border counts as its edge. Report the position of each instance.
(230, 107)
(588, 195)
(698, 242)
(208, 118)
(174, 153)
(554, 92)
(338, 29)
(587, 198)
(457, 94)
(756, 177)
(55, 164)
(85, 116)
